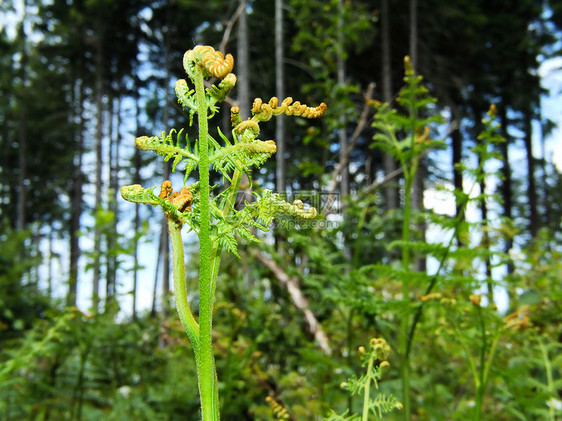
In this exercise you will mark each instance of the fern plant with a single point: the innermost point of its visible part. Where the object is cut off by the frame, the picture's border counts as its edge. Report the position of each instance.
(207, 210)
(375, 361)
(406, 136)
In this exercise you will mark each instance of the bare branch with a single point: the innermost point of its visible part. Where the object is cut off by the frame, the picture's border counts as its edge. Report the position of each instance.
(229, 26)
(298, 299)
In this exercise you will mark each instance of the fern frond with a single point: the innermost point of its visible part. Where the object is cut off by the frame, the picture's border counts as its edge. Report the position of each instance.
(166, 147)
(219, 93)
(186, 98)
(138, 194)
(383, 403)
(264, 112)
(228, 242)
(333, 416)
(177, 205)
(242, 156)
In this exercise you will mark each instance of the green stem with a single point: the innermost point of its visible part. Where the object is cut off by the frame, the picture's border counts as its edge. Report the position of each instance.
(549, 379)
(410, 168)
(482, 368)
(484, 377)
(404, 340)
(485, 365)
(180, 294)
(215, 263)
(207, 372)
(367, 390)
(349, 354)
(466, 349)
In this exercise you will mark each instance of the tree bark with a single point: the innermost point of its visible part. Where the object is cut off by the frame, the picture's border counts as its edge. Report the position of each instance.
(506, 191)
(485, 241)
(164, 250)
(456, 150)
(389, 164)
(413, 33)
(531, 181)
(243, 81)
(111, 236)
(419, 179)
(76, 194)
(545, 199)
(23, 119)
(136, 180)
(344, 181)
(99, 88)
(280, 175)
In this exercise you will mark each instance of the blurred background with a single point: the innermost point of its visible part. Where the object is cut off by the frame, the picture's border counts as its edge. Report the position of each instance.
(79, 80)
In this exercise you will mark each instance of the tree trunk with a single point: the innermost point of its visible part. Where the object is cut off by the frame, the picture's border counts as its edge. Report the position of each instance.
(164, 250)
(76, 195)
(413, 33)
(280, 176)
(531, 182)
(419, 179)
(545, 199)
(506, 189)
(344, 181)
(485, 241)
(136, 180)
(243, 81)
(458, 179)
(456, 149)
(506, 192)
(111, 236)
(23, 118)
(389, 164)
(99, 84)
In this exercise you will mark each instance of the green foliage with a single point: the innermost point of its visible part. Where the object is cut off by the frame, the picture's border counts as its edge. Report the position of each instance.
(413, 123)
(21, 301)
(381, 403)
(442, 313)
(73, 366)
(362, 277)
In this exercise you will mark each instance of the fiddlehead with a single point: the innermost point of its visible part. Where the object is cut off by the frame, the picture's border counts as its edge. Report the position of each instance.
(176, 205)
(264, 112)
(212, 62)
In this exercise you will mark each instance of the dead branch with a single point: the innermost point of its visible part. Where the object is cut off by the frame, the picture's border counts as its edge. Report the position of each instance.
(298, 299)
(229, 26)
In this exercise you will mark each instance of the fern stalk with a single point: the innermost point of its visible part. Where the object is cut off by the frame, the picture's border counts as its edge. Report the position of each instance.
(178, 268)
(246, 152)
(410, 167)
(549, 379)
(404, 340)
(207, 372)
(367, 391)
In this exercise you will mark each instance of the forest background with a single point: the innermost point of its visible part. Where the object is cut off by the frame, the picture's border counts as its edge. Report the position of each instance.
(80, 80)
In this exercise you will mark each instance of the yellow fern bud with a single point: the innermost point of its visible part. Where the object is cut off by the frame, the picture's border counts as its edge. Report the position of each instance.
(212, 62)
